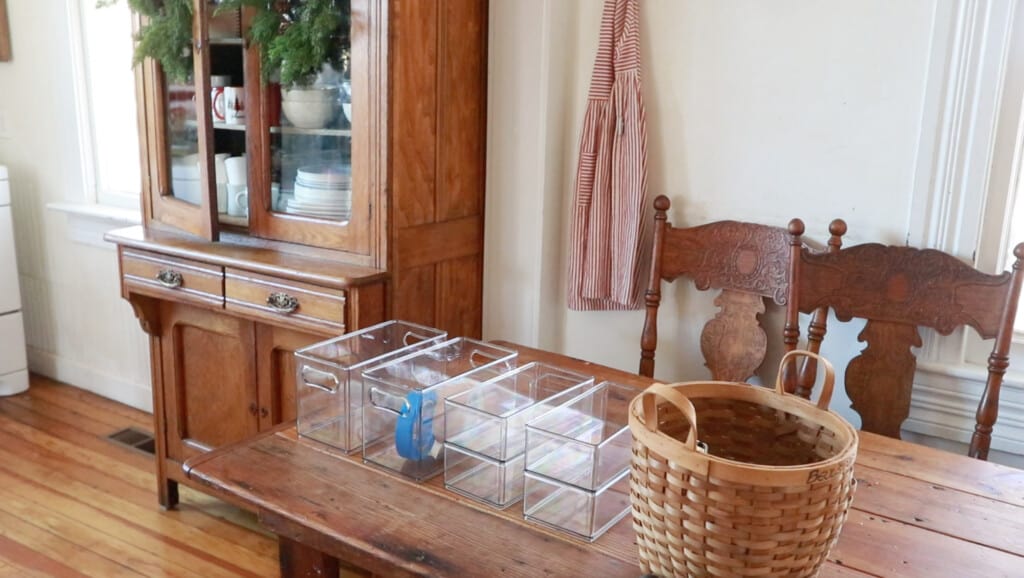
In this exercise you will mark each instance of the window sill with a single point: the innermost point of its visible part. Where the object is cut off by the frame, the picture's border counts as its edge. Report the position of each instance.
(87, 223)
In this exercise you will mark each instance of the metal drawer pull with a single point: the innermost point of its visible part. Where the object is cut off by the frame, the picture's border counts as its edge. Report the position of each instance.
(169, 278)
(282, 302)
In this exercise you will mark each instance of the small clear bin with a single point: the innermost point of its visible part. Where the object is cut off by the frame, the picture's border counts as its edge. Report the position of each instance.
(494, 482)
(329, 390)
(491, 419)
(403, 402)
(585, 441)
(583, 513)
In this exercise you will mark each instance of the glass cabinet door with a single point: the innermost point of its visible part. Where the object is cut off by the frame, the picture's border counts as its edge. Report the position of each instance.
(176, 130)
(230, 118)
(313, 146)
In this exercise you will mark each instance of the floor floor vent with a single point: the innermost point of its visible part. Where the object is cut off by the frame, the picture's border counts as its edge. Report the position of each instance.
(134, 438)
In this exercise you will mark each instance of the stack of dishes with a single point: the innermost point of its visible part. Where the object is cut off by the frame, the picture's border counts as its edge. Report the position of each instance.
(323, 191)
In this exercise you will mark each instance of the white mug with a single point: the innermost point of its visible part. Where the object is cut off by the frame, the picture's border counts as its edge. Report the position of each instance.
(234, 104)
(238, 200)
(217, 103)
(236, 170)
(222, 181)
(217, 84)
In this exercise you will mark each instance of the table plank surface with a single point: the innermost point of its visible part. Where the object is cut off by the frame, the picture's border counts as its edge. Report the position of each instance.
(917, 512)
(934, 466)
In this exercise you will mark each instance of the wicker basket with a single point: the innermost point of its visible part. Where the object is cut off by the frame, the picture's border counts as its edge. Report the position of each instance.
(764, 492)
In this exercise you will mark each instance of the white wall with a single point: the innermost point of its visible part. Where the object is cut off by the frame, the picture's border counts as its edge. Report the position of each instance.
(758, 111)
(78, 328)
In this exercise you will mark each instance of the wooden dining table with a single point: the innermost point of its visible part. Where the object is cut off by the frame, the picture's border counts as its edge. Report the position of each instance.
(917, 511)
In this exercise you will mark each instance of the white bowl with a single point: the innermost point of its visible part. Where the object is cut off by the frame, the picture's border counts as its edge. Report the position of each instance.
(310, 94)
(309, 114)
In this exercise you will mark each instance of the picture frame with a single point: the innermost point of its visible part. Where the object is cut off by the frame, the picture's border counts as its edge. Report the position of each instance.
(5, 34)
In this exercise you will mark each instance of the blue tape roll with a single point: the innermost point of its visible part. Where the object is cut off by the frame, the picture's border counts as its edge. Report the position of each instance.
(419, 407)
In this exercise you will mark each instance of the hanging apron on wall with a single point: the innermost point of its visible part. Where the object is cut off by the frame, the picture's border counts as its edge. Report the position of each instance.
(610, 246)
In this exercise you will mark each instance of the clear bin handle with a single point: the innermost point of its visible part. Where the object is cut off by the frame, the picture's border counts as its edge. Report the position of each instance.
(418, 337)
(316, 378)
(473, 359)
(388, 401)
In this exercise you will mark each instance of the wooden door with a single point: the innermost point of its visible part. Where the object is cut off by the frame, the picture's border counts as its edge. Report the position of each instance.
(210, 396)
(175, 125)
(437, 97)
(321, 181)
(275, 371)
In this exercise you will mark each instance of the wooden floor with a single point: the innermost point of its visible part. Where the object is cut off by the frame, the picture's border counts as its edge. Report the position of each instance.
(73, 503)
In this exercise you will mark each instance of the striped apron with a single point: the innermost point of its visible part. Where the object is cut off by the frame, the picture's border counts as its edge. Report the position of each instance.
(611, 228)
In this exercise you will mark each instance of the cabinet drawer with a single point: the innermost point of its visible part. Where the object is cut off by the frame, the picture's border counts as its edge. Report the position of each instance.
(172, 278)
(285, 302)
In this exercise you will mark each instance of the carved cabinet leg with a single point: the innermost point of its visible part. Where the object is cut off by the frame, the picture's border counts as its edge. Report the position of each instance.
(167, 492)
(147, 311)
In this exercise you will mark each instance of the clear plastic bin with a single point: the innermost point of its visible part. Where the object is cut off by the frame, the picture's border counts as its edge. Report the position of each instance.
(585, 441)
(491, 419)
(329, 390)
(493, 482)
(403, 402)
(583, 513)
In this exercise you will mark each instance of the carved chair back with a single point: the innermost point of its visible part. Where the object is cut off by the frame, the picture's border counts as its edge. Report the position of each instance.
(747, 262)
(897, 290)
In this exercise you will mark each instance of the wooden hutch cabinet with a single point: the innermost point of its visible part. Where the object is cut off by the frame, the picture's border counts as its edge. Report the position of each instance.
(275, 220)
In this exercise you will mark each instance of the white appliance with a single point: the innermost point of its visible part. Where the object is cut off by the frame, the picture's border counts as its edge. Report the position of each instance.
(13, 363)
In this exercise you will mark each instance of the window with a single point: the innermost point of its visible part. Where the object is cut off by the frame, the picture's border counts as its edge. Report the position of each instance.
(968, 188)
(101, 57)
(1002, 224)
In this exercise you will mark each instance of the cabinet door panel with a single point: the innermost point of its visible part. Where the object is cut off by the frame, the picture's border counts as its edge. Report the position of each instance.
(413, 54)
(178, 179)
(275, 368)
(210, 390)
(319, 147)
(462, 111)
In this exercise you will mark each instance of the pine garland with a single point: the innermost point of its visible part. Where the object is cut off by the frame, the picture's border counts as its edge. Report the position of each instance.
(167, 35)
(298, 36)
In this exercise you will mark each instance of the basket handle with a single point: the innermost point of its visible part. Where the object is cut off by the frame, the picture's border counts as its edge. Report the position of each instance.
(682, 403)
(826, 387)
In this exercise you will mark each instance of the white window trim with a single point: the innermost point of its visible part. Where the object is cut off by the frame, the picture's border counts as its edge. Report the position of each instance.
(83, 114)
(963, 150)
(90, 213)
(81, 99)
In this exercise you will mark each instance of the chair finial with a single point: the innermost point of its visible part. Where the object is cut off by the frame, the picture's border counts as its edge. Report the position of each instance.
(837, 227)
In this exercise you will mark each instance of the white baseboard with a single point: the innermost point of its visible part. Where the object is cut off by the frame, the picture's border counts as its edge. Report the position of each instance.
(137, 395)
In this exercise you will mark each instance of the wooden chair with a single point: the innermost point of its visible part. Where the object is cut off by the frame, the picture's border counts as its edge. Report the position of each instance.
(748, 262)
(896, 290)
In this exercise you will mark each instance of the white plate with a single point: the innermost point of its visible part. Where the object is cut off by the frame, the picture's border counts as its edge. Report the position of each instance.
(325, 202)
(325, 196)
(330, 175)
(333, 217)
(334, 211)
(320, 210)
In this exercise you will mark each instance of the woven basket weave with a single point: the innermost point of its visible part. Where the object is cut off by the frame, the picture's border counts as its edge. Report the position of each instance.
(764, 492)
